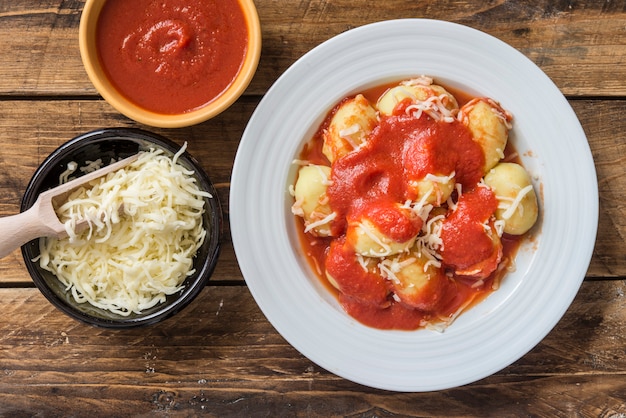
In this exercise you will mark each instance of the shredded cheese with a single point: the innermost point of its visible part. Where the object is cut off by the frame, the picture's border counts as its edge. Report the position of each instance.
(325, 180)
(422, 80)
(514, 204)
(440, 179)
(144, 228)
(91, 166)
(348, 132)
(385, 249)
(323, 221)
(429, 242)
(362, 262)
(71, 168)
(433, 106)
(422, 208)
(389, 267)
(297, 209)
(499, 226)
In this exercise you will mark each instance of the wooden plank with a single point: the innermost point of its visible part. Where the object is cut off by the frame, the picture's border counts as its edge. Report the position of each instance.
(556, 396)
(39, 48)
(580, 45)
(604, 125)
(220, 356)
(31, 130)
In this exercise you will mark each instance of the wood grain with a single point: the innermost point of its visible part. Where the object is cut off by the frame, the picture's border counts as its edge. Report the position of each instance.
(38, 127)
(223, 358)
(220, 356)
(605, 127)
(580, 45)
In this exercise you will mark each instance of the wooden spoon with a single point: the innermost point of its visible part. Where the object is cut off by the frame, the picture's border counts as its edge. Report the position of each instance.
(41, 220)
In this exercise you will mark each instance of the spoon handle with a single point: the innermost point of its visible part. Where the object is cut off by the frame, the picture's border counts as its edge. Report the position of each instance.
(41, 220)
(17, 230)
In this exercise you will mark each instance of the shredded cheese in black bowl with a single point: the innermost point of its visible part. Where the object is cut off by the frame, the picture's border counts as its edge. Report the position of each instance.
(152, 234)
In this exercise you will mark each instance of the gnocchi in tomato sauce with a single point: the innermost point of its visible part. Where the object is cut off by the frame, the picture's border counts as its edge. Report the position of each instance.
(411, 203)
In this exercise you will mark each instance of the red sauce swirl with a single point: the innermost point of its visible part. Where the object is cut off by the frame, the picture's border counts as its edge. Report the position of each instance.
(171, 56)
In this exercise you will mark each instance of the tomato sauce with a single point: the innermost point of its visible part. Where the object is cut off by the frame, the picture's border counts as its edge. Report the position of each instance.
(171, 56)
(365, 286)
(400, 149)
(398, 224)
(464, 234)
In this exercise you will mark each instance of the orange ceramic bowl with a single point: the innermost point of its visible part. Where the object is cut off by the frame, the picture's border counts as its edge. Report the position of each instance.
(93, 65)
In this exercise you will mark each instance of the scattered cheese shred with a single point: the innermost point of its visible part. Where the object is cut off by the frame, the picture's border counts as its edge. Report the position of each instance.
(350, 130)
(514, 204)
(385, 248)
(389, 268)
(429, 243)
(71, 168)
(326, 220)
(433, 106)
(440, 179)
(144, 228)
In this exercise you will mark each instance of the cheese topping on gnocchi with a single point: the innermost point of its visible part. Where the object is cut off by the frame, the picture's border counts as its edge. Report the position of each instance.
(412, 203)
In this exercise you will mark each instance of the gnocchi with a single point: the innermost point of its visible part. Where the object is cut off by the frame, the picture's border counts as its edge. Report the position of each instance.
(420, 93)
(415, 280)
(311, 201)
(517, 208)
(434, 189)
(406, 196)
(383, 230)
(353, 120)
(489, 125)
(355, 275)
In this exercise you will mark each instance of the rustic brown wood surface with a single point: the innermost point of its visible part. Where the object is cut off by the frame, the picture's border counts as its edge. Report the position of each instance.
(220, 356)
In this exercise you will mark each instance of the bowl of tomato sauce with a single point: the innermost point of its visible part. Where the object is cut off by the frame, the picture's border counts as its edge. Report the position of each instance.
(170, 63)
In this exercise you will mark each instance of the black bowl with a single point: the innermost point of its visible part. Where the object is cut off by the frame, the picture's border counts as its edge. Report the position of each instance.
(120, 143)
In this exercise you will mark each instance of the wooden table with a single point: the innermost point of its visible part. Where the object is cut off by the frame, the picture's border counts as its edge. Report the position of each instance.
(220, 356)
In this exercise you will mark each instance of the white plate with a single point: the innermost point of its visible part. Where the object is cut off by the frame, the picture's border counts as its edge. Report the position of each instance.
(550, 268)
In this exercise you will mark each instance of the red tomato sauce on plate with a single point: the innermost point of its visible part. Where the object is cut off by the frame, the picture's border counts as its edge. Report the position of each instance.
(171, 56)
(400, 147)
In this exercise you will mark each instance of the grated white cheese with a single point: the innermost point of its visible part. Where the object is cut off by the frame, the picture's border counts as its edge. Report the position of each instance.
(440, 179)
(511, 205)
(429, 243)
(499, 226)
(71, 168)
(297, 209)
(91, 166)
(350, 130)
(325, 180)
(362, 262)
(389, 267)
(324, 221)
(433, 106)
(385, 248)
(422, 80)
(423, 208)
(144, 228)
(444, 322)
(301, 162)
